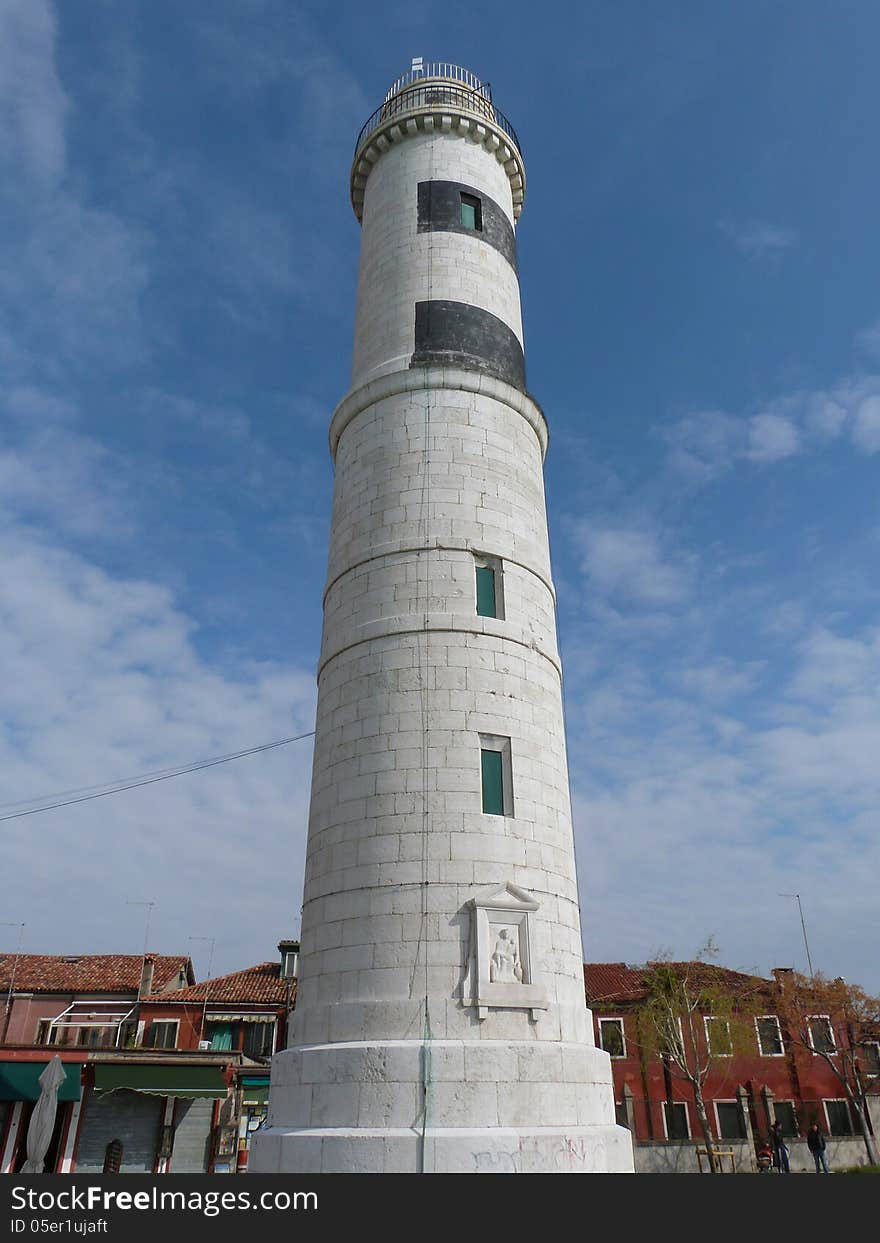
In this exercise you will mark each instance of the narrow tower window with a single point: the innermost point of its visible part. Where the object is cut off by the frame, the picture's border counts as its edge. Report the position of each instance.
(490, 587)
(471, 212)
(495, 776)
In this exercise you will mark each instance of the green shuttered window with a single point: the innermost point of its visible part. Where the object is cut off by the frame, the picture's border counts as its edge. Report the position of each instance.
(493, 782)
(486, 602)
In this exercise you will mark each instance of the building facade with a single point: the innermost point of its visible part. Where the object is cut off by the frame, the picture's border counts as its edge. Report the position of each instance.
(175, 1080)
(766, 1076)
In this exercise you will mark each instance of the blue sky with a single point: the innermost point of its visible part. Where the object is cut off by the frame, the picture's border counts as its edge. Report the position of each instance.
(698, 260)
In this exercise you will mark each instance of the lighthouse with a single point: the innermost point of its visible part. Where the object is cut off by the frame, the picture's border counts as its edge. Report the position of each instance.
(440, 1022)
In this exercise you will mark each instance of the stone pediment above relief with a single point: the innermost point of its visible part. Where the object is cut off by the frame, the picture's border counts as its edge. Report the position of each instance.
(499, 973)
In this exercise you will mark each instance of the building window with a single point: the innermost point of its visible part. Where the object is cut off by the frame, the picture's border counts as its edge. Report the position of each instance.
(222, 1036)
(675, 1118)
(471, 212)
(730, 1120)
(769, 1036)
(869, 1056)
(718, 1036)
(621, 1117)
(258, 1039)
(821, 1035)
(784, 1114)
(46, 1033)
(163, 1035)
(94, 1037)
(495, 776)
(611, 1037)
(490, 589)
(839, 1118)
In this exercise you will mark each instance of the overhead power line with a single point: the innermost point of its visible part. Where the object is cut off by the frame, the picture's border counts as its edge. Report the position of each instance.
(146, 779)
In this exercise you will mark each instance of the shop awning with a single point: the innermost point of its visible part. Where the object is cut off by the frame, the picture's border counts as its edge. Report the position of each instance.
(184, 1081)
(20, 1081)
(254, 1089)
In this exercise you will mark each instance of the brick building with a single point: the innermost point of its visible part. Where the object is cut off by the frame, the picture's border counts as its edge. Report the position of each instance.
(161, 1075)
(766, 1077)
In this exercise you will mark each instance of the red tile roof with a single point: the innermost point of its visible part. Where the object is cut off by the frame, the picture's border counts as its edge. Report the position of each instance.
(260, 985)
(615, 981)
(89, 973)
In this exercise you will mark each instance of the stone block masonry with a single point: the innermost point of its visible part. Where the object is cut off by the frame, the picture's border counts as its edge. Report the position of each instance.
(440, 1023)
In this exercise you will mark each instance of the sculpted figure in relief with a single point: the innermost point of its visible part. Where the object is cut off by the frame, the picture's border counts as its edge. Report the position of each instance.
(505, 967)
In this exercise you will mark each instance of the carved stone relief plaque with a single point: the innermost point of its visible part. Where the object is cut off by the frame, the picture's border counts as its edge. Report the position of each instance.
(499, 967)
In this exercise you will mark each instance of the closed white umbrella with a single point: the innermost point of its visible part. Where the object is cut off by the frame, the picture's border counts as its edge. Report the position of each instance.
(42, 1122)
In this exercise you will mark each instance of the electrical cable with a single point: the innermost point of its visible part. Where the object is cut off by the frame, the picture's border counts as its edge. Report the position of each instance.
(165, 774)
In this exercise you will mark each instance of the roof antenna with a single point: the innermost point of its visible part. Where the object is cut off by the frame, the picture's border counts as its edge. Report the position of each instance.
(149, 906)
(212, 941)
(797, 896)
(7, 1015)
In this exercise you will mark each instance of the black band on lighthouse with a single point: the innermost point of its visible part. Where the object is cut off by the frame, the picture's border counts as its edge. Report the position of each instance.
(460, 335)
(439, 208)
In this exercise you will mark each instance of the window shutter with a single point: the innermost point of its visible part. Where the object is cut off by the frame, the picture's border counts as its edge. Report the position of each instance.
(486, 605)
(493, 784)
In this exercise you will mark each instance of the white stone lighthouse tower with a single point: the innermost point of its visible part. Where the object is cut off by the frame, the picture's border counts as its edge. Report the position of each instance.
(440, 1021)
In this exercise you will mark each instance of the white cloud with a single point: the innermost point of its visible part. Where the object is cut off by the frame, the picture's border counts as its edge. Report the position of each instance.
(772, 438)
(866, 425)
(705, 444)
(628, 561)
(717, 814)
(33, 104)
(101, 681)
(868, 340)
(758, 239)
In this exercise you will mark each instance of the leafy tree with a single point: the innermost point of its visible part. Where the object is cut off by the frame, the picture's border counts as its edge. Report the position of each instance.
(680, 996)
(835, 1021)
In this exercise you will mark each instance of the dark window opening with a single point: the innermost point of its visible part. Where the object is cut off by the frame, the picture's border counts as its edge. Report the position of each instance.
(839, 1120)
(471, 212)
(258, 1039)
(769, 1038)
(821, 1035)
(731, 1124)
(784, 1114)
(676, 1120)
(163, 1035)
(611, 1036)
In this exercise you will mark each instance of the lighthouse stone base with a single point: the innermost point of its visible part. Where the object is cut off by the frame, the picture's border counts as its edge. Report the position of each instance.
(446, 1106)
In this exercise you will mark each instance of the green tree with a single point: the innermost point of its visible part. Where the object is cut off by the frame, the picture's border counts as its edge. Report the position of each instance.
(694, 1014)
(836, 1021)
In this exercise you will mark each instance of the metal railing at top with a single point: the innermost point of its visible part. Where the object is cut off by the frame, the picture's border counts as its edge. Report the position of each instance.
(441, 69)
(435, 95)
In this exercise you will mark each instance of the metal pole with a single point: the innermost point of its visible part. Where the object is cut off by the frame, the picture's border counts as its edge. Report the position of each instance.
(212, 941)
(8, 1012)
(797, 896)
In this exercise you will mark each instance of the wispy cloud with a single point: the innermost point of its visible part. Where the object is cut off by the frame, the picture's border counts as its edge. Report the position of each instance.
(628, 561)
(71, 274)
(706, 444)
(758, 239)
(772, 438)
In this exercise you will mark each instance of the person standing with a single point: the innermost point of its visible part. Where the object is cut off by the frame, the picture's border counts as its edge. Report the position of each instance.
(780, 1149)
(816, 1145)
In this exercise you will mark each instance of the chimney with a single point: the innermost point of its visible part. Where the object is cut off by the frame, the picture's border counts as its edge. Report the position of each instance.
(147, 969)
(781, 975)
(289, 951)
